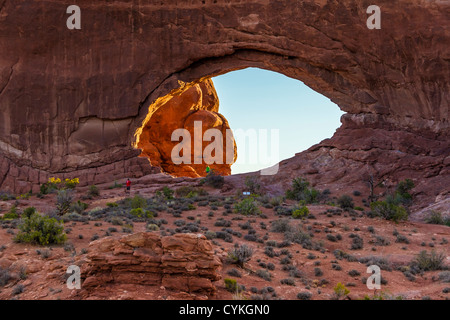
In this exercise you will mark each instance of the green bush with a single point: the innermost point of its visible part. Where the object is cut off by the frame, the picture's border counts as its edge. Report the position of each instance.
(40, 230)
(112, 204)
(141, 213)
(389, 210)
(300, 213)
(300, 190)
(138, 202)
(231, 285)
(11, 214)
(190, 192)
(247, 207)
(402, 194)
(28, 212)
(340, 291)
(44, 189)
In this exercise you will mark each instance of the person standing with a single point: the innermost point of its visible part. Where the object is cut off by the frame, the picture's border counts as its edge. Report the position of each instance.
(128, 184)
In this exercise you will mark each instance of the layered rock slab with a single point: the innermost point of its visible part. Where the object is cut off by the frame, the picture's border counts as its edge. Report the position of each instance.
(180, 263)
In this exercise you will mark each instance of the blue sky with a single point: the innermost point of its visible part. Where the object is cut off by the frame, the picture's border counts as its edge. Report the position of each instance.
(259, 99)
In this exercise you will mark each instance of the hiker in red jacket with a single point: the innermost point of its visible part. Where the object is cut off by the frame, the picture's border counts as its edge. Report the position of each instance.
(128, 186)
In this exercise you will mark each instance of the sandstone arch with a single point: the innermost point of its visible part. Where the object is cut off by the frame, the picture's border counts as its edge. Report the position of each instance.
(64, 94)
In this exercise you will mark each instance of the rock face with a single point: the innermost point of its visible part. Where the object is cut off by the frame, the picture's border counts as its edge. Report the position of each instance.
(199, 103)
(181, 263)
(72, 101)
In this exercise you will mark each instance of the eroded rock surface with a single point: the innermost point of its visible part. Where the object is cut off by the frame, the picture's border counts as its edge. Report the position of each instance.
(199, 103)
(180, 263)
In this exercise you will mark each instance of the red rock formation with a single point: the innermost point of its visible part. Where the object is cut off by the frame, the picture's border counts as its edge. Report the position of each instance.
(72, 100)
(198, 103)
(180, 263)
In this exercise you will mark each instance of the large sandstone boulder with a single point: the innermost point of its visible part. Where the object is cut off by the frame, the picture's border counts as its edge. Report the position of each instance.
(180, 263)
(71, 101)
(198, 103)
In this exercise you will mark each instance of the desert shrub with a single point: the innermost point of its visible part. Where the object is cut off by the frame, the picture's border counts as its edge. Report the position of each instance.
(331, 238)
(356, 193)
(281, 226)
(402, 194)
(435, 217)
(5, 277)
(301, 191)
(340, 291)
(138, 202)
(93, 191)
(252, 184)
(240, 255)
(11, 214)
(64, 200)
(300, 237)
(304, 295)
(18, 289)
(246, 207)
(152, 227)
(234, 273)
(354, 273)
(402, 239)
(141, 213)
(190, 192)
(428, 261)
(214, 180)
(71, 183)
(264, 274)
(276, 201)
(112, 205)
(318, 272)
(444, 276)
(78, 207)
(40, 230)
(231, 285)
(381, 241)
(339, 254)
(288, 281)
(300, 213)
(28, 212)
(357, 243)
(336, 267)
(165, 193)
(389, 210)
(383, 263)
(345, 202)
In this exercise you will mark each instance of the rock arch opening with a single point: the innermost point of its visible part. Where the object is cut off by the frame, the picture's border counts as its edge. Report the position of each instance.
(260, 137)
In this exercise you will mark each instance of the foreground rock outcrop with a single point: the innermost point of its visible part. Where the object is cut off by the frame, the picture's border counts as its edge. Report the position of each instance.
(199, 103)
(71, 101)
(180, 263)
